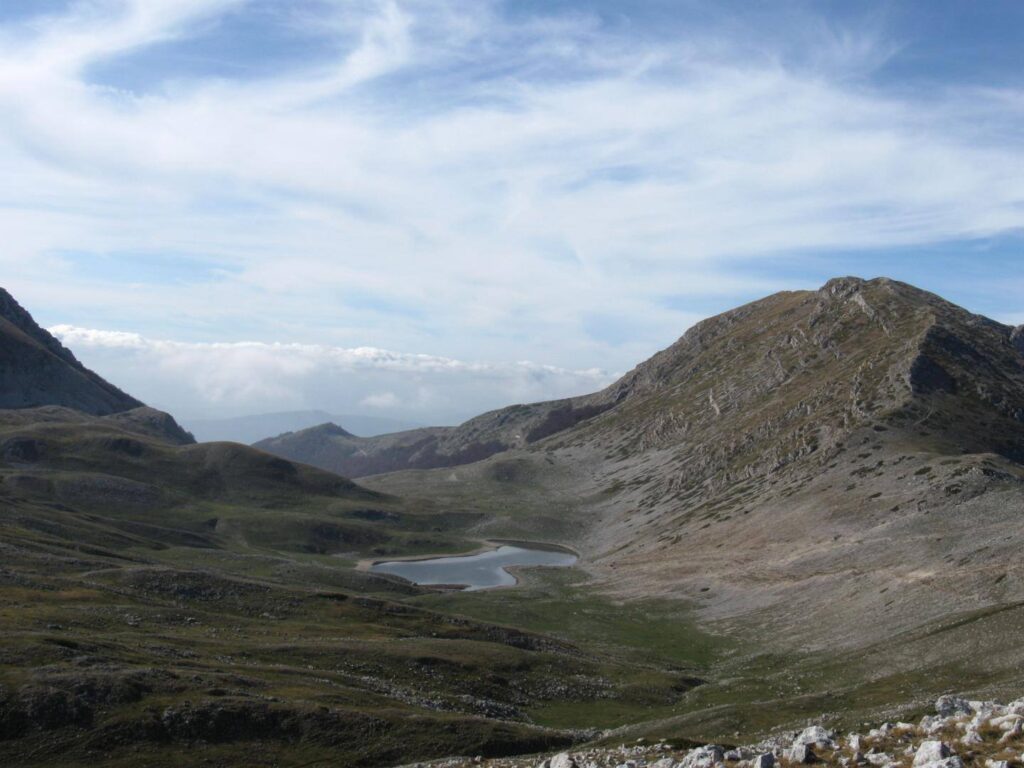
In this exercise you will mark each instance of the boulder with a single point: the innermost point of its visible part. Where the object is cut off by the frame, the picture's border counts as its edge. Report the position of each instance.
(932, 724)
(931, 752)
(703, 757)
(665, 762)
(952, 706)
(563, 760)
(1005, 722)
(816, 736)
(800, 754)
(766, 760)
(879, 759)
(1015, 731)
(971, 735)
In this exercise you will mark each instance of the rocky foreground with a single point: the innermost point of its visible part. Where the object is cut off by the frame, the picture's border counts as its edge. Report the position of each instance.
(962, 734)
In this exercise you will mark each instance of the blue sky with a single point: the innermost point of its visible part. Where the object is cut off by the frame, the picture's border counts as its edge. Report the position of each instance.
(225, 203)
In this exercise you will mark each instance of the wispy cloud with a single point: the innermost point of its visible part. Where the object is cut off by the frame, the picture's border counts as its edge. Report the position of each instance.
(511, 184)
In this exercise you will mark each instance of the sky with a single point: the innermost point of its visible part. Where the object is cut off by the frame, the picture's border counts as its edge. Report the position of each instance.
(424, 209)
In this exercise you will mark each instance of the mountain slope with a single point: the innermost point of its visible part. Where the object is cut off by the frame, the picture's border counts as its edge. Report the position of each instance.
(36, 369)
(167, 603)
(850, 453)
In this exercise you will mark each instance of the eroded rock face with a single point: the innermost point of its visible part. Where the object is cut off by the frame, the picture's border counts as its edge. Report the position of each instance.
(1017, 338)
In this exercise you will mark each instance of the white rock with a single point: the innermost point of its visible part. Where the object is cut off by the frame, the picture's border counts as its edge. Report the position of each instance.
(949, 762)
(971, 735)
(931, 752)
(563, 760)
(765, 760)
(814, 735)
(1005, 722)
(800, 753)
(932, 724)
(702, 757)
(987, 709)
(948, 706)
(878, 758)
(881, 731)
(997, 764)
(665, 762)
(1015, 731)
(855, 742)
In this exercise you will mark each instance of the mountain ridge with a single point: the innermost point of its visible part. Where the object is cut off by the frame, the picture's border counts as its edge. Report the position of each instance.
(804, 434)
(518, 426)
(37, 370)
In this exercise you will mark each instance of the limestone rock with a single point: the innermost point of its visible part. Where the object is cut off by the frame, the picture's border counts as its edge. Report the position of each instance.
(931, 752)
(816, 736)
(948, 706)
(800, 754)
(703, 757)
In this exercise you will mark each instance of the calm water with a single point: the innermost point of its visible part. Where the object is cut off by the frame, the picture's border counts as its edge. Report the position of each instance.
(481, 571)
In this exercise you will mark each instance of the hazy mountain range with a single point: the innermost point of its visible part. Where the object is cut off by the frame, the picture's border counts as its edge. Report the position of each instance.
(253, 428)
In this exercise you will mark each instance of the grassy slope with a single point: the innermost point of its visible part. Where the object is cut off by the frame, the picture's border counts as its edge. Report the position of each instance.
(157, 599)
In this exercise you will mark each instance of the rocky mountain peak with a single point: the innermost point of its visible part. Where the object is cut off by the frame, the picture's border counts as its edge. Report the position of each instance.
(330, 429)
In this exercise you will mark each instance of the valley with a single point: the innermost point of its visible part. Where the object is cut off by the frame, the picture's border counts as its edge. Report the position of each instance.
(808, 507)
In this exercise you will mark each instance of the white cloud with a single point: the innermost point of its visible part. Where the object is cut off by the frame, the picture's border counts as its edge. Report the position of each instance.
(457, 181)
(381, 400)
(253, 377)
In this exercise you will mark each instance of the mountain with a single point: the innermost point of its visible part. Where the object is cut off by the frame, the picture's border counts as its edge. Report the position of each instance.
(36, 369)
(331, 447)
(818, 469)
(809, 504)
(796, 351)
(250, 429)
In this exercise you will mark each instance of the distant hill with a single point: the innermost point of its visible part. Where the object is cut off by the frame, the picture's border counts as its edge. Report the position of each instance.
(251, 429)
(336, 449)
(37, 370)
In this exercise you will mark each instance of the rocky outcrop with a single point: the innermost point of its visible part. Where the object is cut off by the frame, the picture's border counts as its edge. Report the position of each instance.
(1017, 338)
(154, 423)
(974, 734)
(37, 370)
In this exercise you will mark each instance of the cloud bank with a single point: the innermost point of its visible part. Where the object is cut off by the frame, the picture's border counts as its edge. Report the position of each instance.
(237, 378)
